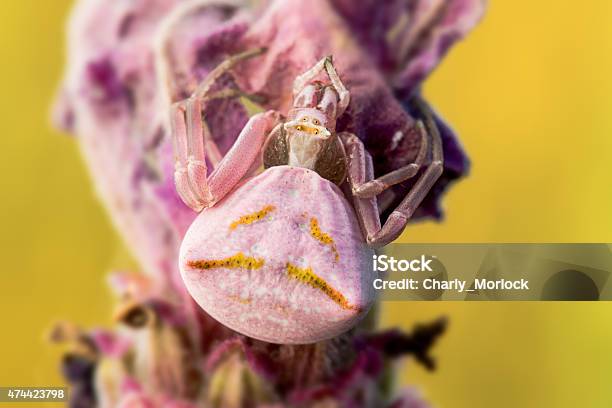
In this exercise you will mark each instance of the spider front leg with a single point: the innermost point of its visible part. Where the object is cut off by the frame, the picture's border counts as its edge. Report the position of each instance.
(193, 143)
(324, 64)
(189, 157)
(365, 187)
(194, 186)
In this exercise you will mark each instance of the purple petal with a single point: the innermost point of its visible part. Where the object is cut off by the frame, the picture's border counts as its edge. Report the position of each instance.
(435, 26)
(374, 23)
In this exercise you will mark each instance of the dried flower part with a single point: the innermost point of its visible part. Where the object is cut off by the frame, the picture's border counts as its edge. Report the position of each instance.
(164, 359)
(79, 374)
(110, 374)
(233, 381)
(92, 364)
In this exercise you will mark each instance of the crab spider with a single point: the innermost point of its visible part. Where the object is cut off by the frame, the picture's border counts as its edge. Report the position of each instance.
(285, 256)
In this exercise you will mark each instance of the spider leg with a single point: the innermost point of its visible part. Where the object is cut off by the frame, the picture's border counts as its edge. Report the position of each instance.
(182, 156)
(214, 154)
(243, 153)
(162, 38)
(343, 93)
(373, 187)
(360, 174)
(307, 77)
(366, 208)
(205, 86)
(194, 186)
(193, 143)
(203, 91)
(324, 64)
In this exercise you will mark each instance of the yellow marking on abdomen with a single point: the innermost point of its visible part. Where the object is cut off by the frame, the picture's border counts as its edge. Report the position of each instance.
(251, 218)
(307, 276)
(240, 300)
(322, 237)
(238, 261)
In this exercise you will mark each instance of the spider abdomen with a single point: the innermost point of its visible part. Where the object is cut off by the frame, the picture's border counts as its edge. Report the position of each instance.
(280, 259)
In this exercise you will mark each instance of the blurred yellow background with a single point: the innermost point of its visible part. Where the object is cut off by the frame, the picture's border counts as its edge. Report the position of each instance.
(528, 92)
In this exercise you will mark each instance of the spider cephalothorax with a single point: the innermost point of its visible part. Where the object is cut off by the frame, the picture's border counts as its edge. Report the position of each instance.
(308, 138)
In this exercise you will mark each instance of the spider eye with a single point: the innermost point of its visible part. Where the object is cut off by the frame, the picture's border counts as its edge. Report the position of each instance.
(316, 122)
(303, 119)
(299, 128)
(316, 132)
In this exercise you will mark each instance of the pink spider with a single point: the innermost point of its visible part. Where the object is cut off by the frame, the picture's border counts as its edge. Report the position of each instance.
(285, 256)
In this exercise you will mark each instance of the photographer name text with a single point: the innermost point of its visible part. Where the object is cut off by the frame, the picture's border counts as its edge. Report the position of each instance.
(384, 263)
